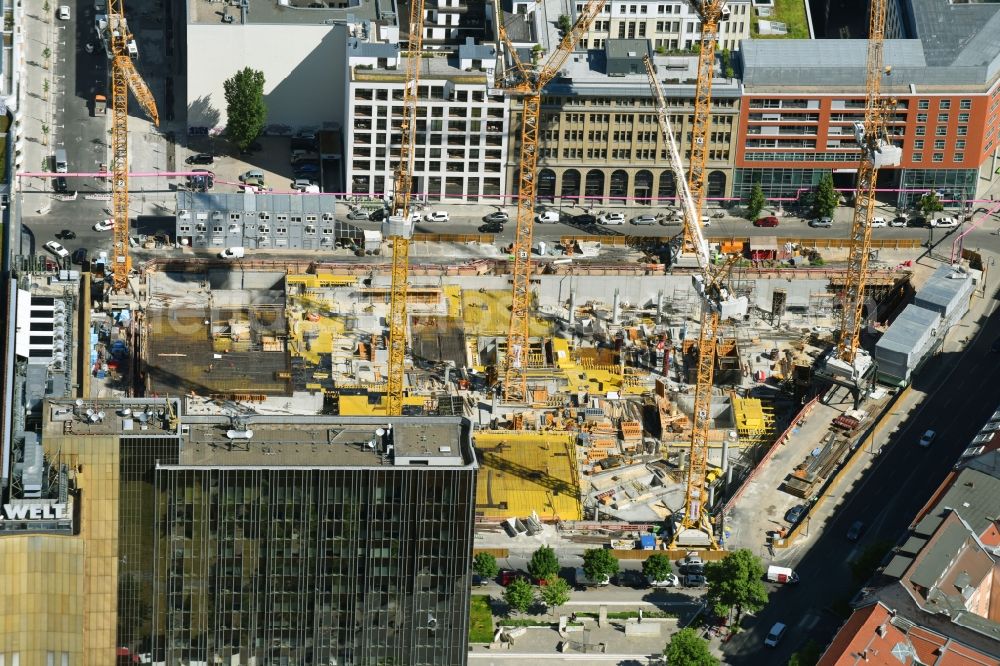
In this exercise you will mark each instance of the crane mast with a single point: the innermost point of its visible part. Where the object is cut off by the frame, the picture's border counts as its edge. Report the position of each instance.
(718, 303)
(400, 227)
(876, 151)
(527, 83)
(711, 12)
(124, 77)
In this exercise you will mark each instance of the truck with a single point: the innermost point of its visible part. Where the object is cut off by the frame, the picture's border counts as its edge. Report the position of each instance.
(781, 575)
(100, 105)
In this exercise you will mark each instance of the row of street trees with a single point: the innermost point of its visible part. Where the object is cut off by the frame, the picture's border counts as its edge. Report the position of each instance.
(823, 201)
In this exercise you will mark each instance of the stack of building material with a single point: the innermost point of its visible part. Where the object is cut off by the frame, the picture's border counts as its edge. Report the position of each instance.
(631, 436)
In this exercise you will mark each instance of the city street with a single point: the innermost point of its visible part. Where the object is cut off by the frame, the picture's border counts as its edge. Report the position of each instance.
(887, 498)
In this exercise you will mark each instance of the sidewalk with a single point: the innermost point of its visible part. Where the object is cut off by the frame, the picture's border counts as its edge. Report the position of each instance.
(36, 102)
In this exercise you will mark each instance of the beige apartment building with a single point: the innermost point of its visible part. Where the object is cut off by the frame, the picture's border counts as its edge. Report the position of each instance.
(599, 140)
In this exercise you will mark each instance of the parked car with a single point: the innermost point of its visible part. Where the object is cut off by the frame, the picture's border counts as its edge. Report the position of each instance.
(918, 221)
(491, 228)
(357, 214)
(898, 221)
(944, 222)
(585, 218)
(775, 635)
(57, 249)
(437, 216)
(60, 185)
(79, 255)
(301, 154)
(305, 168)
(821, 223)
(497, 216)
(580, 576)
(200, 158)
(105, 225)
(508, 576)
(251, 175)
(232, 253)
(377, 215)
(795, 514)
(694, 580)
(66, 234)
(672, 580)
(612, 218)
(855, 530)
(302, 184)
(879, 221)
(63, 13)
(927, 438)
(770, 221)
(547, 217)
(644, 220)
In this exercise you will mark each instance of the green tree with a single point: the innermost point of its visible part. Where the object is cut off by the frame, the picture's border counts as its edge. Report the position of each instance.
(807, 656)
(826, 199)
(657, 567)
(245, 109)
(555, 592)
(543, 563)
(485, 565)
(519, 595)
(757, 201)
(564, 24)
(736, 583)
(930, 203)
(599, 564)
(726, 60)
(687, 648)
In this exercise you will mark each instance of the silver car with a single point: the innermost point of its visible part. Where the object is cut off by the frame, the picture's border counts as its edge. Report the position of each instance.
(821, 222)
(647, 219)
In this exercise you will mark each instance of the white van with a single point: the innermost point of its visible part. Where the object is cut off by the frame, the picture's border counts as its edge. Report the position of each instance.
(781, 575)
(61, 164)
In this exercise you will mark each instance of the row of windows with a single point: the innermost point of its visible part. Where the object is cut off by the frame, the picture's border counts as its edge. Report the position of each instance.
(437, 92)
(939, 157)
(802, 157)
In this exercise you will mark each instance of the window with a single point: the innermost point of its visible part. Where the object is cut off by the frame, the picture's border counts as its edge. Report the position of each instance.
(944, 117)
(924, 104)
(944, 104)
(938, 157)
(963, 117)
(962, 130)
(920, 130)
(959, 157)
(921, 117)
(939, 144)
(960, 144)
(965, 104)
(941, 130)
(918, 157)
(919, 144)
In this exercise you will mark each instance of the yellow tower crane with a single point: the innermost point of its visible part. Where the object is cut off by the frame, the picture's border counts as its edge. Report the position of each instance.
(527, 83)
(399, 225)
(711, 13)
(877, 151)
(718, 303)
(124, 77)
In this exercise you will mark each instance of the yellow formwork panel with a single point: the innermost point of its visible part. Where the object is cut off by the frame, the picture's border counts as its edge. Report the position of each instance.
(321, 280)
(453, 297)
(322, 333)
(523, 472)
(750, 415)
(358, 405)
(487, 312)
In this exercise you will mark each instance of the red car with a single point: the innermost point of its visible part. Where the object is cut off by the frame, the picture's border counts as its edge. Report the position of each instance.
(507, 577)
(766, 222)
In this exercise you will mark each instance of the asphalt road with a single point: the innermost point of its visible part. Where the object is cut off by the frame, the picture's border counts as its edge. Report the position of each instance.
(886, 499)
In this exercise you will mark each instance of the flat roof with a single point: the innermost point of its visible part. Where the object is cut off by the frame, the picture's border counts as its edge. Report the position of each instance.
(585, 74)
(256, 202)
(954, 44)
(295, 12)
(327, 442)
(137, 417)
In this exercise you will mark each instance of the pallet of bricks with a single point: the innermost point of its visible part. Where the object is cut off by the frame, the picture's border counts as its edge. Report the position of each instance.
(603, 441)
(631, 436)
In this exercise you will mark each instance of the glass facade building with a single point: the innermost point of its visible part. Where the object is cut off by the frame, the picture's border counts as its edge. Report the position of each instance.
(321, 540)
